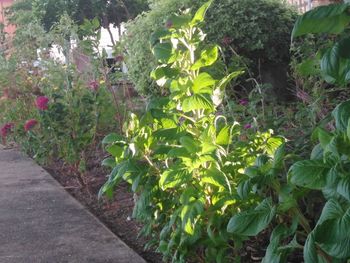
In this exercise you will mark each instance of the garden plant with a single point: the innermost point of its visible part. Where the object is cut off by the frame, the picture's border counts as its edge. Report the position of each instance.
(221, 169)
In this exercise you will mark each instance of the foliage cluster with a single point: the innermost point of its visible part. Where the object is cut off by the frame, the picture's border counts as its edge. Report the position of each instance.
(205, 185)
(241, 26)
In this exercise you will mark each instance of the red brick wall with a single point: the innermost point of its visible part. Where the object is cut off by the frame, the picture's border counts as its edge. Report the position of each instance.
(10, 29)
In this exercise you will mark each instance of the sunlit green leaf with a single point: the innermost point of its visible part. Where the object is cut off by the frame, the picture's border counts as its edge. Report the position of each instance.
(207, 58)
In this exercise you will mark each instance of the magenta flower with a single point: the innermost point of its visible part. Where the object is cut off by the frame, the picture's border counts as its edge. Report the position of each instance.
(6, 129)
(243, 102)
(94, 85)
(42, 102)
(248, 126)
(30, 124)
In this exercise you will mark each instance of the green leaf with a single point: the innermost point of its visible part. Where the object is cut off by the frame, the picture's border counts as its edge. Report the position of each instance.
(216, 177)
(275, 253)
(344, 50)
(331, 210)
(309, 173)
(109, 162)
(308, 67)
(207, 58)
(203, 83)
(310, 253)
(189, 214)
(273, 143)
(173, 178)
(197, 102)
(317, 153)
(341, 115)
(115, 150)
(163, 52)
(159, 34)
(332, 234)
(163, 73)
(219, 91)
(279, 156)
(111, 138)
(224, 136)
(331, 19)
(178, 21)
(343, 188)
(324, 137)
(251, 223)
(190, 144)
(200, 14)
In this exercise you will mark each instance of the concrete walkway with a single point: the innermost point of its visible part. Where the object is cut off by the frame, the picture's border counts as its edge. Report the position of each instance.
(41, 222)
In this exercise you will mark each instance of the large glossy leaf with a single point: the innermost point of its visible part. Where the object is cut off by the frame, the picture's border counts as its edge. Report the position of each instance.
(334, 68)
(325, 19)
(341, 115)
(323, 136)
(343, 188)
(310, 252)
(207, 58)
(333, 237)
(197, 102)
(203, 84)
(251, 223)
(200, 14)
(331, 210)
(309, 173)
(163, 52)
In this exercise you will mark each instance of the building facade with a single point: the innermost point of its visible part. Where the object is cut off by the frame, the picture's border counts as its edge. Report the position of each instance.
(8, 28)
(305, 5)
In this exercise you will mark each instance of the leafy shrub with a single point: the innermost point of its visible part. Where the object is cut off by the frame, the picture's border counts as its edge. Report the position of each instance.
(185, 162)
(257, 30)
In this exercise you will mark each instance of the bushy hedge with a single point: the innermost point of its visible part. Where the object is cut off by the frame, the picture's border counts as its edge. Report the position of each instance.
(257, 30)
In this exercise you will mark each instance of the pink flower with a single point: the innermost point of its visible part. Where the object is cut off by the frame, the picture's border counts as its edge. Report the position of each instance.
(42, 102)
(30, 124)
(6, 129)
(94, 86)
(248, 126)
(243, 102)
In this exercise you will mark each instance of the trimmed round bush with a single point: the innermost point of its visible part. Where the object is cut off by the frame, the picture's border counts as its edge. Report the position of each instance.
(259, 31)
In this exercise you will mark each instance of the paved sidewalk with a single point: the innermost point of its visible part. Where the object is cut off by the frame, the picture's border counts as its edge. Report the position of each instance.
(41, 223)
